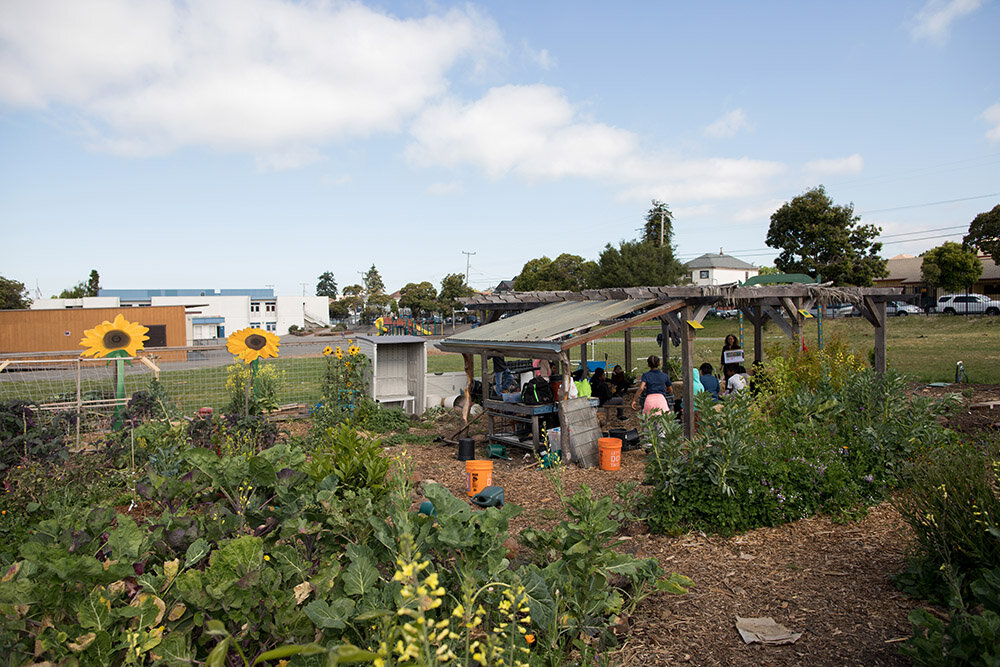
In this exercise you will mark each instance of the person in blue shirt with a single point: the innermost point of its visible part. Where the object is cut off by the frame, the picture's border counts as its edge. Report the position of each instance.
(653, 383)
(709, 381)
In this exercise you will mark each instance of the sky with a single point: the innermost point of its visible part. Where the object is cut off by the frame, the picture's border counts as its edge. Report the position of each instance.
(256, 143)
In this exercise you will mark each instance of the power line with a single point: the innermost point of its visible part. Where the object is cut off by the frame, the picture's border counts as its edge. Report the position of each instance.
(933, 203)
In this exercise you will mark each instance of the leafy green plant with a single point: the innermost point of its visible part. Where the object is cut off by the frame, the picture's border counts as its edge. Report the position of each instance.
(252, 393)
(27, 433)
(356, 462)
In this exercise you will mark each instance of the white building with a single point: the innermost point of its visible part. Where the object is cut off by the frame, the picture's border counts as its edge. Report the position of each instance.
(719, 269)
(214, 314)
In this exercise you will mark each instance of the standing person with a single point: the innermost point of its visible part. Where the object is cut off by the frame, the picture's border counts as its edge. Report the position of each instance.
(601, 390)
(709, 381)
(732, 343)
(653, 383)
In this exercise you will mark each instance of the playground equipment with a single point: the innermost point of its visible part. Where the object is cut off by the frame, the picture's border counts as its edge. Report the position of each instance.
(407, 326)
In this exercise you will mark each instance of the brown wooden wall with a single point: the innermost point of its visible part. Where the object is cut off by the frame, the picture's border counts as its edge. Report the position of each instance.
(26, 331)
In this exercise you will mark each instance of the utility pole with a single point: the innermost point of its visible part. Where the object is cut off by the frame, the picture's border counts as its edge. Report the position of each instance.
(468, 255)
(303, 288)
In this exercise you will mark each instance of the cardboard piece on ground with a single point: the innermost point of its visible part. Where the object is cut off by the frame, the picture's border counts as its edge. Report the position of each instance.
(583, 430)
(765, 631)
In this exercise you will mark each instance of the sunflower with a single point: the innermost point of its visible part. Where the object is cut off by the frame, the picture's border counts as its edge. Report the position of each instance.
(251, 344)
(338, 353)
(352, 350)
(118, 338)
(327, 351)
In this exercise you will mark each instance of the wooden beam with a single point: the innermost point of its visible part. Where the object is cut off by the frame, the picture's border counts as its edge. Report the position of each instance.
(625, 324)
(700, 312)
(664, 341)
(583, 360)
(467, 392)
(143, 360)
(564, 395)
(776, 317)
(687, 363)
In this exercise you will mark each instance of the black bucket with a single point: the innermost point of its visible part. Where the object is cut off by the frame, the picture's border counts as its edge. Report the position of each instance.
(617, 433)
(466, 449)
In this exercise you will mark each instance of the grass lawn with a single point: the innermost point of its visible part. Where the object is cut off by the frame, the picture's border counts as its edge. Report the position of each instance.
(922, 348)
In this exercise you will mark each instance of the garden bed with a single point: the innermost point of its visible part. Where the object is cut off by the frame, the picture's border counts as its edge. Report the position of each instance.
(828, 580)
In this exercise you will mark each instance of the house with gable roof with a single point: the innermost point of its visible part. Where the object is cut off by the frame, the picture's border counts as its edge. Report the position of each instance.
(719, 268)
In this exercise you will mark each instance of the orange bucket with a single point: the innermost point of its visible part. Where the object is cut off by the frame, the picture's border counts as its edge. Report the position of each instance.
(479, 475)
(610, 453)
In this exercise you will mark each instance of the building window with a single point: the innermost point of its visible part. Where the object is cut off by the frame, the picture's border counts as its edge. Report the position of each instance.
(255, 325)
(157, 335)
(272, 326)
(254, 307)
(704, 275)
(220, 331)
(269, 307)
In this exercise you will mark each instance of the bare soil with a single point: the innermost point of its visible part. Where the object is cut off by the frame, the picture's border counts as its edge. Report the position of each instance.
(827, 580)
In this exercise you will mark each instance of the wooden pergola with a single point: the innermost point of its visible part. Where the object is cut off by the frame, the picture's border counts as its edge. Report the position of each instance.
(679, 309)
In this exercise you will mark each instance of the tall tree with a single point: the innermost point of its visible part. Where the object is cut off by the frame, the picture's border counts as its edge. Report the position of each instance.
(951, 266)
(984, 233)
(373, 282)
(339, 310)
(94, 283)
(636, 264)
(327, 285)
(817, 237)
(420, 298)
(659, 227)
(453, 288)
(565, 272)
(13, 295)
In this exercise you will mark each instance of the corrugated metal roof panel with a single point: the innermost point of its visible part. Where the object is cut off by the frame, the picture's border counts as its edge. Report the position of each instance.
(544, 327)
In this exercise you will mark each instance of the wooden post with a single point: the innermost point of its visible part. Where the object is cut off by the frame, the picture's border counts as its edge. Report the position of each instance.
(564, 396)
(490, 424)
(687, 363)
(628, 351)
(583, 360)
(758, 333)
(878, 310)
(467, 392)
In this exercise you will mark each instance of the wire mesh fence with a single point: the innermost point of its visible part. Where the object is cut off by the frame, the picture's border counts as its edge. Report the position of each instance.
(184, 379)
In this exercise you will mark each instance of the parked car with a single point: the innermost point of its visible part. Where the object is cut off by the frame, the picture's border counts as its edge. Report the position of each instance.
(971, 304)
(901, 309)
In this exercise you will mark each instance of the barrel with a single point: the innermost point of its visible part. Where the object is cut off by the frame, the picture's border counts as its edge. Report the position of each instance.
(610, 450)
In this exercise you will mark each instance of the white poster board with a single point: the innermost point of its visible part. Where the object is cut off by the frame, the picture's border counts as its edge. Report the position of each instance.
(732, 356)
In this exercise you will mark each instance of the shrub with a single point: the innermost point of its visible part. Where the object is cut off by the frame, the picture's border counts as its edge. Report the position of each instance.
(250, 392)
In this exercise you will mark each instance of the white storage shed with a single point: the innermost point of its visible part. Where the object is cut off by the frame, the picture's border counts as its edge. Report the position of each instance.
(399, 370)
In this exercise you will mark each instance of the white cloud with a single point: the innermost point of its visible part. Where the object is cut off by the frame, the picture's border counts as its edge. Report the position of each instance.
(336, 181)
(699, 211)
(444, 189)
(542, 57)
(728, 125)
(992, 116)
(933, 21)
(759, 213)
(288, 159)
(535, 133)
(852, 164)
(246, 75)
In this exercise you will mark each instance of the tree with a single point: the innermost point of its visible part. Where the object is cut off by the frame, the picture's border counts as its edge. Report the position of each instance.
(327, 285)
(94, 283)
(420, 298)
(13, 295)
(353, 298)
(951, 266)
(339, 310)
(767, 271)
(565, 272)
(75, 292)
(637, 263)
(453, 288)
(984, 233)
(817, 237)
(373, 282)
(658, 229)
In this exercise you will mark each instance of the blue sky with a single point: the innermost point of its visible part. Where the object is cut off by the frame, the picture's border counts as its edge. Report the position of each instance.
(244, 143)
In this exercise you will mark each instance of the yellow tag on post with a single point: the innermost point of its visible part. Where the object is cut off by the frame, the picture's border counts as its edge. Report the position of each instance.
(805, 313)
(695, 325)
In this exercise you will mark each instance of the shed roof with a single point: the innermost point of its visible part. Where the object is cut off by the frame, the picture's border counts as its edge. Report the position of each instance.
(713, 260)
(389, 340)
(543, 329)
